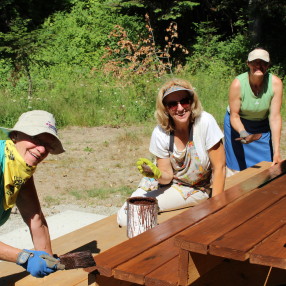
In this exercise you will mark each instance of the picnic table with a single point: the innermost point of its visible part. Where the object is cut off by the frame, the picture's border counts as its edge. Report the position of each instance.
(234, 238)
(161, 256)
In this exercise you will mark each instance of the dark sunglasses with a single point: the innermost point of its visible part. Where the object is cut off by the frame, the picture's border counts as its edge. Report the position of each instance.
(173, 105)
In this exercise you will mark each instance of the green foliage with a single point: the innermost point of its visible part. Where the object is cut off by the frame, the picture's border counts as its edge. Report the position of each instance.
(84, 100)
(174, 10)
(79, 37)
(217, 56)
(58, 67)
(164, 10)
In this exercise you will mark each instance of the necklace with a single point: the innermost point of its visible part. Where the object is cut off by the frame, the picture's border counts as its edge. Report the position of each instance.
(256, 90)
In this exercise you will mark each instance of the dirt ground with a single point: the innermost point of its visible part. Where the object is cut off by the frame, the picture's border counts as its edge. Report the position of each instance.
(98, 160)
(97, 163)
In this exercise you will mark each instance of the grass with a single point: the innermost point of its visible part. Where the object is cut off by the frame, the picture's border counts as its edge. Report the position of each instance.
(104, 195)
(88, 149)
(97, 100)
(51, 201)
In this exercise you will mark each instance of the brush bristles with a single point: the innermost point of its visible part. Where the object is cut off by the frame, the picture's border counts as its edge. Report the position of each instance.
(82, 259)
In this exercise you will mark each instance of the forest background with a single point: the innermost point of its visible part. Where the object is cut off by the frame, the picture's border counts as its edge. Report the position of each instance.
(100, 62)
(97, 65)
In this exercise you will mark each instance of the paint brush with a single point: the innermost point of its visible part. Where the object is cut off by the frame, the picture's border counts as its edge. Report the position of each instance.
(81, 259)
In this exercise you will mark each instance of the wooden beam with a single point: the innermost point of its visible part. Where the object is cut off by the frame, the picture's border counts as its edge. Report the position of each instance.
(272, 251)
(199, 237)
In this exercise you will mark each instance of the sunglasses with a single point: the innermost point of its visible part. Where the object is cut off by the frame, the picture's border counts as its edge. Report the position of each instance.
(173, 105)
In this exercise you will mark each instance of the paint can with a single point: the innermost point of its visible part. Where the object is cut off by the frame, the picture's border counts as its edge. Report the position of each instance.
(142, 215)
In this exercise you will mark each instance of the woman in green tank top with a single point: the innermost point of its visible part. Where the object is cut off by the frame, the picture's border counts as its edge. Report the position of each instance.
(253, 120)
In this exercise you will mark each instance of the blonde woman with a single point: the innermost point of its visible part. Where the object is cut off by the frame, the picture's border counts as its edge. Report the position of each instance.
(187, 145)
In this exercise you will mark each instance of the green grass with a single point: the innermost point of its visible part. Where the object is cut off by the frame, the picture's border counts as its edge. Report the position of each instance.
(88, 149)
(102, 193)
(51, 201)
(97, 100)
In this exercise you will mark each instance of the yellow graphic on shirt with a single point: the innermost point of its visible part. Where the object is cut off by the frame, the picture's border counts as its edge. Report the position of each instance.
(16, 173)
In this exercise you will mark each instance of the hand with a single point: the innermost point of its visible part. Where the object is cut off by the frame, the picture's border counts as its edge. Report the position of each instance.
(53, 262)
(247, 138)
(38, 263)
(148, 169)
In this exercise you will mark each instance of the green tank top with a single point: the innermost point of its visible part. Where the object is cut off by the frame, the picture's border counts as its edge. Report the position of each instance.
(255, 107)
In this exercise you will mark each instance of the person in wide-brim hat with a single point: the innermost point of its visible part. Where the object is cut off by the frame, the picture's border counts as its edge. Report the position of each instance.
(30, 141)
(38, 122)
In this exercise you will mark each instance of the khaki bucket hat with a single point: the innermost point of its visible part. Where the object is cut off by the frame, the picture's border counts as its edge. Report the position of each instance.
(36, 122)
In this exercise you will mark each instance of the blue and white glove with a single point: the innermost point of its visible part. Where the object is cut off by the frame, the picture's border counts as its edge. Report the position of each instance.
(38, 263)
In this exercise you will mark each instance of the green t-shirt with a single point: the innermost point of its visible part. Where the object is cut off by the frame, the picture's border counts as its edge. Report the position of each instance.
(255, 107)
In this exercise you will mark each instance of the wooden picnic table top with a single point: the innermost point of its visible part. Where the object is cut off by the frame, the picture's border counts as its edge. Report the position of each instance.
(213, 227)
(251, 227)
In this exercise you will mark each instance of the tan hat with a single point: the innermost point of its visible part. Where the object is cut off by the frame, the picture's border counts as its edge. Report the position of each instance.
(259, 54)
(36, 122)
(176, 88)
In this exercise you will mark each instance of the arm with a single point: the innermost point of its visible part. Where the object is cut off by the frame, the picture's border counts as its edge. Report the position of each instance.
(275, 118)
(217, 159)
(8, 253)
(166, 169)
(234, 105)
(30, 209)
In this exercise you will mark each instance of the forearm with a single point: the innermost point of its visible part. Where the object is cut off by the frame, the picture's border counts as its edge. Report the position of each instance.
(40, 234)
(217, 159)
(8, 253)
(167, 173)
(165, 178)
(276, 127)
(218, 177)
(236, 123)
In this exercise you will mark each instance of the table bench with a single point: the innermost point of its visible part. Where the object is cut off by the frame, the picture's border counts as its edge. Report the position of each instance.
(97, 237)
(153, 258)
(104, 236)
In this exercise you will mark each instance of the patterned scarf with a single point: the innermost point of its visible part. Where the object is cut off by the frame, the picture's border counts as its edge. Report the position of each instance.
(16, 173)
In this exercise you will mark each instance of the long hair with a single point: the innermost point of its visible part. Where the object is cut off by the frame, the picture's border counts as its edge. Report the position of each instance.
(162, 115)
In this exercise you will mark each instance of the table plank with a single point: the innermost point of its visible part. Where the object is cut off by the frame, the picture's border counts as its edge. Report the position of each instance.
(248, 173)
(166, 275)
(198, 237)
(137, 268)
(272, 251)
(125, 251)
(237, 243)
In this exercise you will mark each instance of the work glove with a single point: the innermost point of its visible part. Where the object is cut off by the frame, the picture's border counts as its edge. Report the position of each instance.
(38, 263)
(148, 169)
(246, 138)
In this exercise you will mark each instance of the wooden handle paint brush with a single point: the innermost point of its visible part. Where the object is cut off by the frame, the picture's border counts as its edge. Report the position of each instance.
(74, 260)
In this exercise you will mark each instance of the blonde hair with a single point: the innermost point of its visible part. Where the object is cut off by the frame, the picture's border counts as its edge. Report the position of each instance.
(162, 115)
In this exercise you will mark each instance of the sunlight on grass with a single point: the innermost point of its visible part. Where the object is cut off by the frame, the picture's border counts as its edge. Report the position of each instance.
(101, 193)
(88, 149)
(51, 201)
